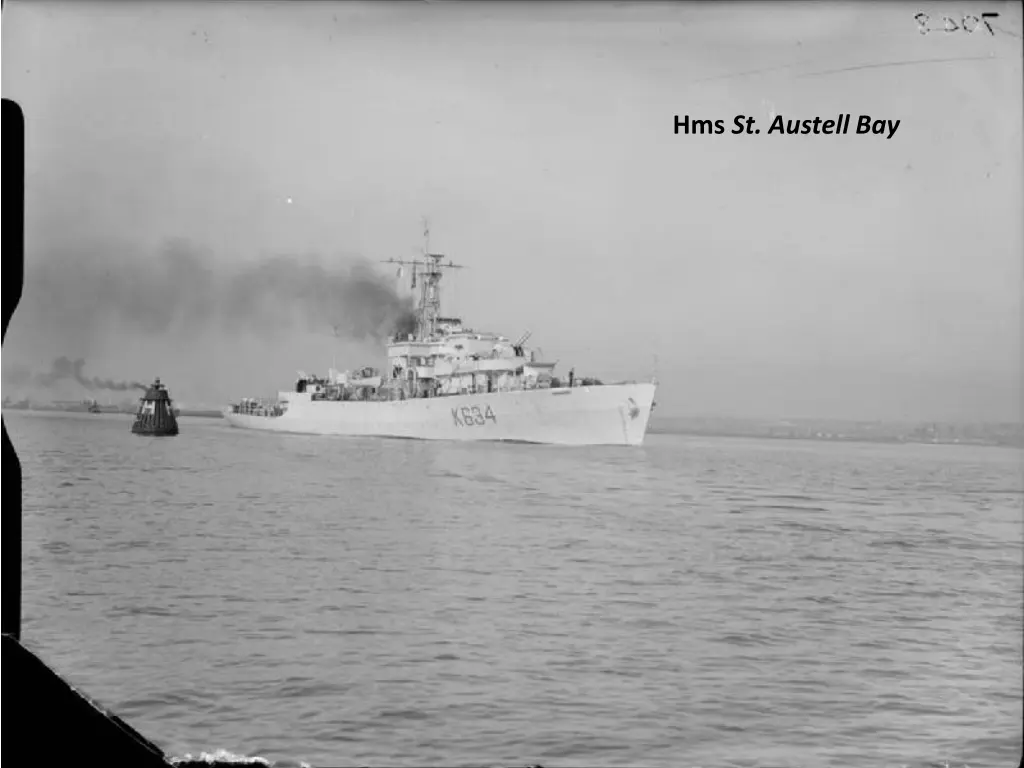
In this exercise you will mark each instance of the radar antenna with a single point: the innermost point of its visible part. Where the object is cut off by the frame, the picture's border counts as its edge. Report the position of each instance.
(429, 269)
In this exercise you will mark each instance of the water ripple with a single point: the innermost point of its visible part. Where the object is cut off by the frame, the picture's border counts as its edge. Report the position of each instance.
(698, 602)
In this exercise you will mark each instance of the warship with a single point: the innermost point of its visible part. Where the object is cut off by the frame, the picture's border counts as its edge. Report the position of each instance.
(446, 381)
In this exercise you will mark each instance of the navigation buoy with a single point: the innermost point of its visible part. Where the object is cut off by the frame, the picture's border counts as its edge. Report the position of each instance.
(155, 416)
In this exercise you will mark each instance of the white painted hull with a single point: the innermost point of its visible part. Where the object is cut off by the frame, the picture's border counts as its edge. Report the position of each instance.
(611, 414)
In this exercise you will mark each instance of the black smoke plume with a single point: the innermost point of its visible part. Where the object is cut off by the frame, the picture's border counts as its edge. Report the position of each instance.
(184, 289)
(64, 369)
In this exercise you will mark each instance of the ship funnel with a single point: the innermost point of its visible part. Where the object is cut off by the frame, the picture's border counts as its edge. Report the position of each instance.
(155, 416)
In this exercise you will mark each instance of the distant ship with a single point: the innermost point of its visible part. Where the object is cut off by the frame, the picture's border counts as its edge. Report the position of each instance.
(448, 382)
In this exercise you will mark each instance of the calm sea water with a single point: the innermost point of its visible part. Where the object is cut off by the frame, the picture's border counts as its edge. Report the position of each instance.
(697, 602)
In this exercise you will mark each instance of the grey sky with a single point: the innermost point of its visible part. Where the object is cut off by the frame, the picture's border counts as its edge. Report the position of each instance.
(848, 276)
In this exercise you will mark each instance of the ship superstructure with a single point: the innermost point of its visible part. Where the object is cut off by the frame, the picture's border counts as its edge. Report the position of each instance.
(447, 381)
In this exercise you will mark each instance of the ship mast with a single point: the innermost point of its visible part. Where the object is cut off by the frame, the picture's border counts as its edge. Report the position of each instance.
(429, 270)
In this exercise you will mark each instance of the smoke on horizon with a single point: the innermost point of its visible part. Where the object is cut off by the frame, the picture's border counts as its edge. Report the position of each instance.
(78, 292)
(65, 369)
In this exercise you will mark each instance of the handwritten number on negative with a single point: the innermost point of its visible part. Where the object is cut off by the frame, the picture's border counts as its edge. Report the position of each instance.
(968, 23)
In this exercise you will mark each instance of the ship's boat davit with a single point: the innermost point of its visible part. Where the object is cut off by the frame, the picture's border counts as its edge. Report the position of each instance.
(155, 416)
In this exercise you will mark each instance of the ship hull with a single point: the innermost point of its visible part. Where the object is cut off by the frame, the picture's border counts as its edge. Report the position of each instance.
(611, 414)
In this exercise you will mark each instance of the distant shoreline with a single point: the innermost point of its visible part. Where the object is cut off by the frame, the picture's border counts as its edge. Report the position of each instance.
(993, 435)
(203, 414)
(1010, 436)
(844, 439)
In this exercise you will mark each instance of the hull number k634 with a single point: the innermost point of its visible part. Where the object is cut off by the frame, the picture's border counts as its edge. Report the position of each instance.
(472, 416)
